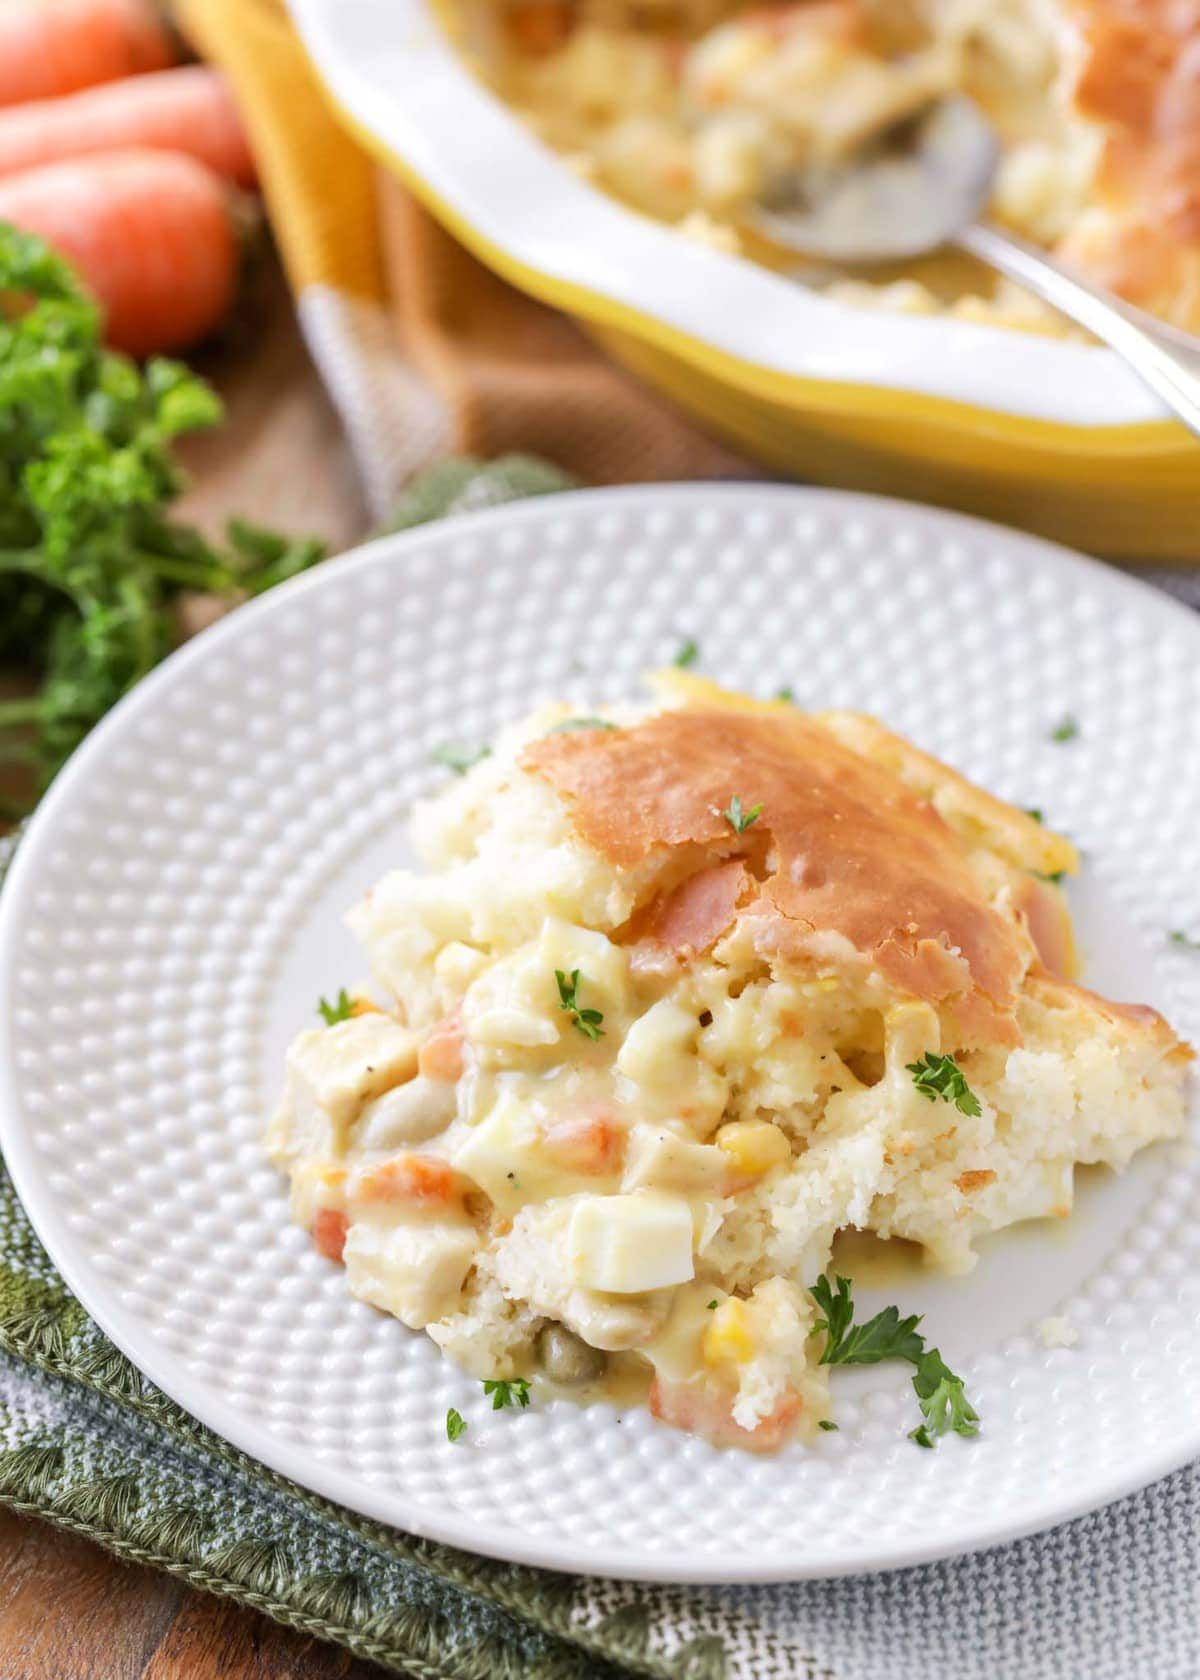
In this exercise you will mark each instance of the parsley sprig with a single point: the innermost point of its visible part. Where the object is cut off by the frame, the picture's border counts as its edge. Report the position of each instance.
(453, 755)
(940, 1394)
(941, 1076)
(511, 1392)
(341, 1009)
(943, 1401)
(91, 563)
(886, 1336)
(587, 1020)
(571, 724)
(738, 819)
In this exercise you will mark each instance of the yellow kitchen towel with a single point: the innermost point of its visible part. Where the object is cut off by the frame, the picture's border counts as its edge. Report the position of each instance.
(424, 351)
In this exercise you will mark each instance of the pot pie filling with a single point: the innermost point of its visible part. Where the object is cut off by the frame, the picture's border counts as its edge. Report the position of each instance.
(688, 109)
(685, 992)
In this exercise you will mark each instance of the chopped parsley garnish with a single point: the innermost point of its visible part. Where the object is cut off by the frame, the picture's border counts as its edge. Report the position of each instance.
(587, 1020)
(1178, 937)
(943, 1401)
(1054, 876)
(940, 1394)
(711, 1305)
(786, 694)
(572, 723)
(1036, 813)
(341, 1009)
(886, 1336)
(454, 756)
(739, 820)
(514, 1392)
(826, 1423)
(456, 1425)
(688, 654)
(1065, 729)
(941, 1076)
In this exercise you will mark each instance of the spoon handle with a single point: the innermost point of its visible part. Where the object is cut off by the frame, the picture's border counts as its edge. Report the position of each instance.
(1166, 359)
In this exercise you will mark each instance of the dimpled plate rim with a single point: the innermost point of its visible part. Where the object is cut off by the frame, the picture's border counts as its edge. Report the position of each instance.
(833, 529)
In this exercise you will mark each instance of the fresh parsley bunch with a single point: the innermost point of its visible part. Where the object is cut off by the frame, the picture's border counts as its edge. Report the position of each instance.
(89, 558)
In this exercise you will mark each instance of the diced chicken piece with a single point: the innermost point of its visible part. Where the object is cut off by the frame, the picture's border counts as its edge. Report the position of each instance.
(331, 1073)
(628, 1245)
(530, 1265)
(658, 1158)
(615, 1324)
(516, 1156)
(413, 1270)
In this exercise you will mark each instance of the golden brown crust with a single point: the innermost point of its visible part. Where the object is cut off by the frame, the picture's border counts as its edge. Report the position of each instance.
(842, 848)
(979, 817)
(1138, 77)
(1134, 1020)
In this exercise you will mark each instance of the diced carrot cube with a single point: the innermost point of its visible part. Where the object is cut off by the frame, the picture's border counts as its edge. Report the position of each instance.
(424, 1179)
(585, 1143)
(705, 1409)
(441, 1055)
(329, 1232)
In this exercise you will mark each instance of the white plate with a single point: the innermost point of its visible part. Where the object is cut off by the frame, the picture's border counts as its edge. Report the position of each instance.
(174, 913)
(392, 71)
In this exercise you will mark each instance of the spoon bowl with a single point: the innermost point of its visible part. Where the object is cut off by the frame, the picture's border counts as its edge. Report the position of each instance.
(915, 189)
(924, 184)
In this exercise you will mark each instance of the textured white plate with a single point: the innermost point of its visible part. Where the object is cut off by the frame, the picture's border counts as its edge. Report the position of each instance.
(174, 913)
(392, 70)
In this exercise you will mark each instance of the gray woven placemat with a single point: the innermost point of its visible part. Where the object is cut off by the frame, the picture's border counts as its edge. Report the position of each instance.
(86, 1442)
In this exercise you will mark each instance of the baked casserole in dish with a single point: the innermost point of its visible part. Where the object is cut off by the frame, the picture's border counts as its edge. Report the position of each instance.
(602, 155)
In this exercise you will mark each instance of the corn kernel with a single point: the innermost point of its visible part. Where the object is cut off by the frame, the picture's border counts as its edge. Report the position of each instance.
(727, 1340)
(754, 1146)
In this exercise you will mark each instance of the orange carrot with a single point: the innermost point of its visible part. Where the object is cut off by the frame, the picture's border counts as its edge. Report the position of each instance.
(329, 1232)
(48, 47)
(151, 234)
(441, 1055)
(189, 109)
(424, 1180)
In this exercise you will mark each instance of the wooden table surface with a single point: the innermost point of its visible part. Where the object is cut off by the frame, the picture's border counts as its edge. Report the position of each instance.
(69, 1611)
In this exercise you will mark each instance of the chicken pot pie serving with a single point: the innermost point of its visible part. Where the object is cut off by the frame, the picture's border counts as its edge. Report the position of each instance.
(686, 991)
(689, 109)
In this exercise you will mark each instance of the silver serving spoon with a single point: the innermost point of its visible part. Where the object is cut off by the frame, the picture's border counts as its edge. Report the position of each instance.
(926, 185)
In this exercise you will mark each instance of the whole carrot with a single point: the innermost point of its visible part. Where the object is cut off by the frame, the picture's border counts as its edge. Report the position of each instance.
(48, 47)
(151, 234)
(189, 109)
